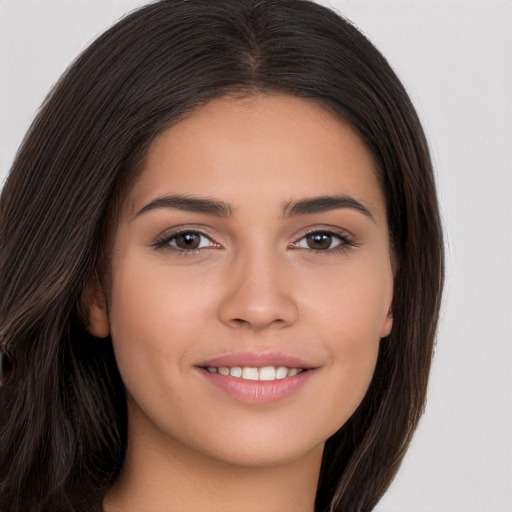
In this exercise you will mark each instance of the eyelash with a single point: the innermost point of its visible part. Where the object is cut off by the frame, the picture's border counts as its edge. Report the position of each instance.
(164, 242)
(346, 242)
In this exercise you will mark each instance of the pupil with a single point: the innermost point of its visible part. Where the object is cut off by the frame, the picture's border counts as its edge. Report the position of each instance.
(188, 241)
(319, 241)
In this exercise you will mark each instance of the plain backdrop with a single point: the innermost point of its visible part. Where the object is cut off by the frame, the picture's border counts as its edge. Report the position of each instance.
(455, 59)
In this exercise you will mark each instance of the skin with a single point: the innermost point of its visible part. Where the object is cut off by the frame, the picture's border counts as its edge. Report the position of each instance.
(255, 284)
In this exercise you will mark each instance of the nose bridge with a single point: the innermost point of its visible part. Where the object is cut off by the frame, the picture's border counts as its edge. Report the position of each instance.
(259, 293)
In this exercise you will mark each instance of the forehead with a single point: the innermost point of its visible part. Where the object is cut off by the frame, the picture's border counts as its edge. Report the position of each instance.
(261, 148)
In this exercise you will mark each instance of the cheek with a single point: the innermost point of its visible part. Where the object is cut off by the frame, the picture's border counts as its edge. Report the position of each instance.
(352, 301)
(139, 336)
(155, 297)
(158, 315)
(351, 315)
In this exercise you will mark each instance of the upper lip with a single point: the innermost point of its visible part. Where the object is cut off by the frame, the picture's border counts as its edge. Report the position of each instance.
(252, 359)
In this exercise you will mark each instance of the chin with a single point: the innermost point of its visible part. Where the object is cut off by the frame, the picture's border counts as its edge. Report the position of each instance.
(264, 455)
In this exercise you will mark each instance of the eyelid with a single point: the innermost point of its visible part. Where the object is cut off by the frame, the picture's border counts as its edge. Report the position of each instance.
(162, 241)
(346, 238)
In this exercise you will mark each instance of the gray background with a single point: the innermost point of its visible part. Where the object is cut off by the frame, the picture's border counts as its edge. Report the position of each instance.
(454, 58)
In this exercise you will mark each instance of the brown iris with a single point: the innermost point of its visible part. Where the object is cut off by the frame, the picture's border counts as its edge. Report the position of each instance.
(319, 241)
(188, 240)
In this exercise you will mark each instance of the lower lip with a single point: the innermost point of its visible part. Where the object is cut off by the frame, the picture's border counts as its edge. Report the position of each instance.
(257, 391)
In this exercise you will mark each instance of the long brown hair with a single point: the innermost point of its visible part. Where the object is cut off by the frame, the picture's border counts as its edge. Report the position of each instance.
(63, 412)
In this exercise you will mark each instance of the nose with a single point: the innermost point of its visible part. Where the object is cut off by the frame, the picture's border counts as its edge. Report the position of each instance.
(259, 294)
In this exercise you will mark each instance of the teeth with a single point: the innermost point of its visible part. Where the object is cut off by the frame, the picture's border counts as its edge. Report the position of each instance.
(265, 373)
(236, 371)
(250, 373)
(282, 372)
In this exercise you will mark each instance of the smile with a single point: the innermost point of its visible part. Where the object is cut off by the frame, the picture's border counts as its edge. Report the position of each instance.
(265, 373)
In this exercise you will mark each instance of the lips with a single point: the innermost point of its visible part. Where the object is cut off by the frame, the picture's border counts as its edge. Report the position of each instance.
(257, 377)
(257, 359)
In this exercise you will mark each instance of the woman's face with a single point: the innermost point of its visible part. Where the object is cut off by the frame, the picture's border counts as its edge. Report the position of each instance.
(254, 242)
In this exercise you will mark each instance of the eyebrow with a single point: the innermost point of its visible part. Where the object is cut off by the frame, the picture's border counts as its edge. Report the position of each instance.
(321, 204)
(190, 204)
(307, 206)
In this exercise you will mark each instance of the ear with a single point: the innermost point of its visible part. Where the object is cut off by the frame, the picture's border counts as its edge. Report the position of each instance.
(387, 325)
(92, 308)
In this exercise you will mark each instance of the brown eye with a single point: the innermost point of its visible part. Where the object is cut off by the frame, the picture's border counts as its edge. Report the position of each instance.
(323, 241)
(319, 241)
(188, 241)
(185, 242)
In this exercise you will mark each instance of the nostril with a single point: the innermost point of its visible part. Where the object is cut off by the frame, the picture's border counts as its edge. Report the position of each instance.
(256, 324)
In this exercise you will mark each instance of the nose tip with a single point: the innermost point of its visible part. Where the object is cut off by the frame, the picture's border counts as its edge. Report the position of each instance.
(259, 297)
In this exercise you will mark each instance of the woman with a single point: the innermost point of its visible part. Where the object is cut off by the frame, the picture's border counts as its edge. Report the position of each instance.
(221, 269)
